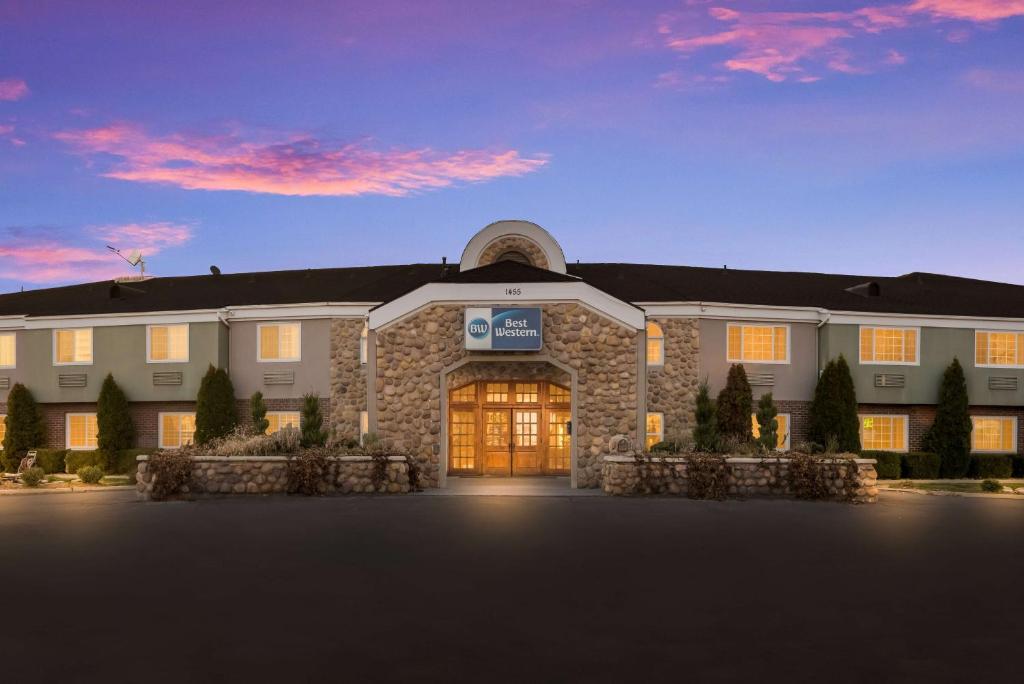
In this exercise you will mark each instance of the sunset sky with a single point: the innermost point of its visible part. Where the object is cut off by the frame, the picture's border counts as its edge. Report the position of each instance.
(787, 135)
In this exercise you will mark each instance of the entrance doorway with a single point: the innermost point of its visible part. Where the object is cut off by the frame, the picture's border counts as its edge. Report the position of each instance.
(509, 428)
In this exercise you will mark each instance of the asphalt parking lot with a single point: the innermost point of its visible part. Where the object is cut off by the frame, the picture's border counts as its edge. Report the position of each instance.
(99, 587)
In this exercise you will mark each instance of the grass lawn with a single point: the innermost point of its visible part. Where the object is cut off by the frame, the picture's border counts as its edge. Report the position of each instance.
(961, 487)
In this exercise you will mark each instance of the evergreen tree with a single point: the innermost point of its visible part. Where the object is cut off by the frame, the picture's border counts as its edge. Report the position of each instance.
(116, 431)
(216, 411)
(950, 434)
(313, 433)
(735, 405)
(24, 427)
(767, 423)
(834, 408)
(705, 433)
(258, 409)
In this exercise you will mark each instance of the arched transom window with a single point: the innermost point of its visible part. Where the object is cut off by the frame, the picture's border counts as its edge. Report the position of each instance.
(655, 344)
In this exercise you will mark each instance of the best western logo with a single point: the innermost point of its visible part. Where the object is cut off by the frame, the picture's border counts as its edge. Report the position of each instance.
(478, 328)
(503, 329)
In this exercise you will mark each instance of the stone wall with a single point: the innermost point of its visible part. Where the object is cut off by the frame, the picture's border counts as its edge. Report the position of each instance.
(672, 387)
(518, 243)
(269, 475)
(748, 477)
(412, 354)
(348, 377)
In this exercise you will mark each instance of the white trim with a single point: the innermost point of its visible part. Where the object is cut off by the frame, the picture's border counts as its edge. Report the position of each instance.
(1013, 450)
(259, 342)
(92, 347)
(860, 351)
(906, 430)
(907, 321)
(14, 337)
(752, 312)
(12, 323)
(994, 365)
(278, 312)
(512, 228)
(761, 324)
(149, 343)
(114, 320)
(160, 428)
(67, 431)
(469, 294)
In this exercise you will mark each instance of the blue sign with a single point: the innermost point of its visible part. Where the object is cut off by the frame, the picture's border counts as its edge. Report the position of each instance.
(503, 329)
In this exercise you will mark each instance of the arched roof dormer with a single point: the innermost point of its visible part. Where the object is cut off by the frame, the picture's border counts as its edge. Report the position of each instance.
(520, 241)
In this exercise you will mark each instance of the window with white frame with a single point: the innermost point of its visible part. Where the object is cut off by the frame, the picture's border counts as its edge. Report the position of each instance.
(3, 430)
(655, 344)
(278, 420)
(279, 342)
(757, 343)
(998, 349)
(167, 343)
(364, 342)
(884, 433)
(8, 350)
(364, 425)
(994, 434)
(655, 429)
(782, 433)
(889, 345)
(81, 431)
(176, 429)
(72, 347)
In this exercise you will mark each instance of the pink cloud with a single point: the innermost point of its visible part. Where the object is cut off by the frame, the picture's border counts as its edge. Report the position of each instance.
(290, 165)
(788, 45)
(12, 89)
(44, 256)
(1001, 81)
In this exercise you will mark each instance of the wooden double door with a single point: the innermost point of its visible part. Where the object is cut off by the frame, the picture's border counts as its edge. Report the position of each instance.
(508, 428)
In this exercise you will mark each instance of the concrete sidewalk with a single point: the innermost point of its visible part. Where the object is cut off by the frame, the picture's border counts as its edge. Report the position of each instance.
(510, 486)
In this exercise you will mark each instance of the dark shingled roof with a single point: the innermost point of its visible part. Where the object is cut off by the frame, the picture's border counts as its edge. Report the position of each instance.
(914, 293)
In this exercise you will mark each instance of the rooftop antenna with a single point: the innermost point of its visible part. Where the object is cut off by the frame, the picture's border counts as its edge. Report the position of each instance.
(134, 258)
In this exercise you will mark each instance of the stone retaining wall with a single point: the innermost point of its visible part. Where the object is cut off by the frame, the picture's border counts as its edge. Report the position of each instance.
(748, 477)
(269, 475)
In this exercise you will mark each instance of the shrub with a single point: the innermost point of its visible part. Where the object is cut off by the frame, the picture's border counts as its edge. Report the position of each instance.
(32, 476)
(991, 486)
(671, 446)
(51, 460)
(121, 463)
(707, 477)
(767, 423)
(705, 432)
(735, 404)
(987, 466)
(919, 465)
(114, 422)
(950, 434)
(171, 471)
(812, 477)
(889, 463)
(833, 410)
(258, 410)
(24, 427)
(90, 474)
(313, 433)
(1018, 465)
(309, 473)
(216, 411)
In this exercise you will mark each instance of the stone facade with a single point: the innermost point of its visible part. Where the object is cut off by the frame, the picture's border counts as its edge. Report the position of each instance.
(748, 477)
(672, 387)
(412, 354)
(348, 377)
(269, 475)
(517, 243)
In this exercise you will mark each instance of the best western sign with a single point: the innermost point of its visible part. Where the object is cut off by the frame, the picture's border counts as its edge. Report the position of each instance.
(503, 329)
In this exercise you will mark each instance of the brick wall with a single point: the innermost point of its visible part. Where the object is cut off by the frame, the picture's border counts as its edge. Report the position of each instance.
(922, 416)
(144, 417)
(799, 417)
(245, 416)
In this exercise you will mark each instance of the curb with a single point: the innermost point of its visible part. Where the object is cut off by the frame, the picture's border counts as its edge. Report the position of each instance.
(69, 490)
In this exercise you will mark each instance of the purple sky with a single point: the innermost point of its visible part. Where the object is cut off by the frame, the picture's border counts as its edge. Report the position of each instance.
(831, 135)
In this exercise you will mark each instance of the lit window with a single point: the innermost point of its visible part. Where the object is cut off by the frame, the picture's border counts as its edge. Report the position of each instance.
(655, 344)
(8, 357)
(177, 429)
(883, 433)
(758, 343)
(364, 425)
(655, 429)
(994, 434)
(527, 392)
(998, 348)
(279, 342)
(463, 440)
(558, 395)
(278, 420)
(783, 432)
(81, 431)
(496, 393)
(888, 345)
(3, 430)
(465, 394)
(72, 347)
(363, 345)
(168, 343)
